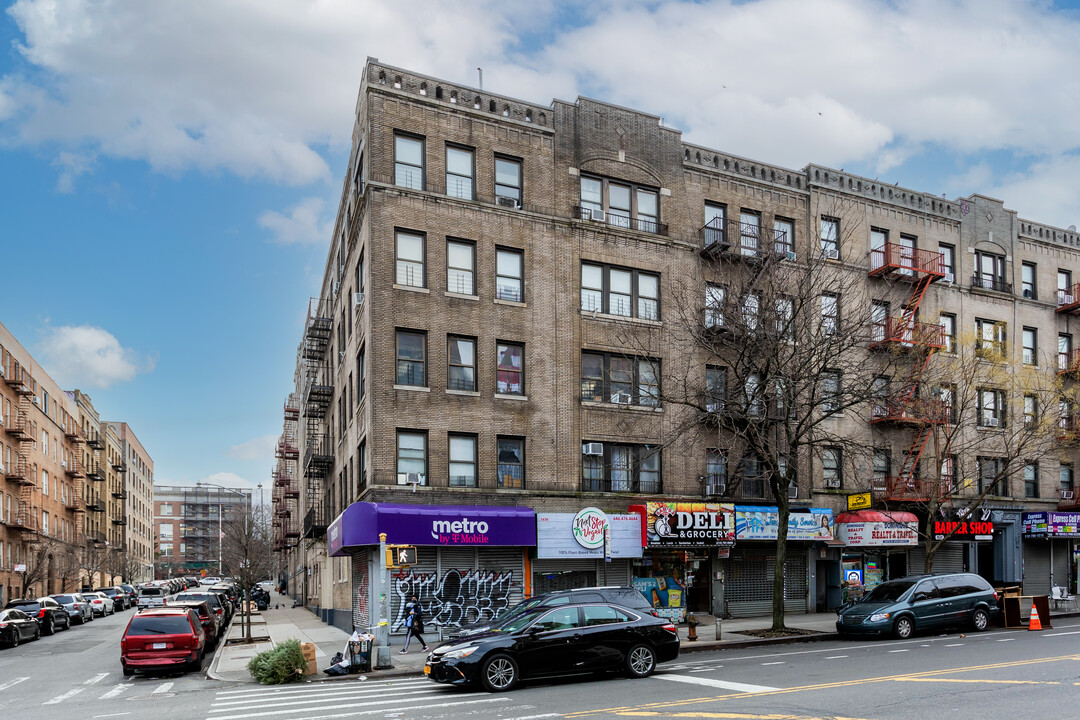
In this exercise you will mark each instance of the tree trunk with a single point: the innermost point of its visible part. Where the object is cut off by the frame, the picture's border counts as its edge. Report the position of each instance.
(778, 567)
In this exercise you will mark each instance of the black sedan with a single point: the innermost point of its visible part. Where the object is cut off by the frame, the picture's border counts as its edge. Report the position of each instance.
(16, 626)
(50, 615)
(548, 642)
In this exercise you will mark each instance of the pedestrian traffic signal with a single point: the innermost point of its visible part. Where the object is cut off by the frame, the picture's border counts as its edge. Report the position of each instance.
(400, 556)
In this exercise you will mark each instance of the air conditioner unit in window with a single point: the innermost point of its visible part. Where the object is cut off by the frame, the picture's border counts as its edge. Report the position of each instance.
(713, 407)
(592, 448)
(358, 299)
(63, 464)
(992, 422)
(36, 400)
(833, 483)
(950, 278)
(594, 215)
(510, 202)
(715, 489)
(337, 286)
(1067, 495)
(791, 255)
(831, 254)
(1, 371)
(2, 469)
(621, 398)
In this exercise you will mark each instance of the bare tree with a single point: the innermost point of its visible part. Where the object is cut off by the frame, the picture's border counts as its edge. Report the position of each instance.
(68, 568)
(38, 560)
(767, 361)
(92, 561)
(246, 550)
(125, 564)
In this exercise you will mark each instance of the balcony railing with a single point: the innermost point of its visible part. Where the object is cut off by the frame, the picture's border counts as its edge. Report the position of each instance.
(988, 282)
(315, 523)
(914, 411)
(911, 489)
(95, 472)
(902, 333)
(748, 241)
(903, 261)
(616, 220)
(1068, 300)
(1068, 364)
(621, 486)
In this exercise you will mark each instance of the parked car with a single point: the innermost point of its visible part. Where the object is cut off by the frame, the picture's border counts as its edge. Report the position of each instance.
(16, 626)
(78, 609)
(118, 596)
(192, 582)
(623, 595)
(50, 615)
(207, 618)
(151, 596)
(207, 581)
(235, 594)
(920, 602)
(552, 641)
(225, 598)
(162, 638)
(132, 593)
(212, 599)
(100, 603)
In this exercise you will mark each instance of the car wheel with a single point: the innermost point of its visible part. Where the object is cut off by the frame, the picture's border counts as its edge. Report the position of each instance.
(980, 620)
(499, 673)
(50, 626)
(37, 633)
(15, 637)
(128, 672)
(904, 627)
(640, 661)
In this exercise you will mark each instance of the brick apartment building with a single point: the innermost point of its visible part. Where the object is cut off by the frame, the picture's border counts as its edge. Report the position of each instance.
(187, 526)
(466, 370)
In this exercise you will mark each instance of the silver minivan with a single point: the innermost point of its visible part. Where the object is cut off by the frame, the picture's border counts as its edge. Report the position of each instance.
(152, 597)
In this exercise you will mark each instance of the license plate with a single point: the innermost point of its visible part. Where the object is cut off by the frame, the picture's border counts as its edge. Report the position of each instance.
(427, 669)
(159, 646)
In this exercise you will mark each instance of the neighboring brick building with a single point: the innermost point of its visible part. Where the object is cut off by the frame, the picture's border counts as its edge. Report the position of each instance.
(488, 261)
(187, 526)
(137, 495)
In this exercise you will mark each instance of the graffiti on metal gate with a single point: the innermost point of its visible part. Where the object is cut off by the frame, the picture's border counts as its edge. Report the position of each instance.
(456, 598)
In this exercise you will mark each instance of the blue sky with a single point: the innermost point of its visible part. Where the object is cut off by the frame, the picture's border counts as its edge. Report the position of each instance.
(169, 170)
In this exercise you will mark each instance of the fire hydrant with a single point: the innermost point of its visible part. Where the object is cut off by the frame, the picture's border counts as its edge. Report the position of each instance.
(692, 623)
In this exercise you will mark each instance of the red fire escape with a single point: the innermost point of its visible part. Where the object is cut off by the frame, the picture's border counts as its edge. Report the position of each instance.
(904, 334)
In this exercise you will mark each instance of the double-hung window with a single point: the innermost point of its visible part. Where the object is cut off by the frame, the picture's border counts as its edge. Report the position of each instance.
(715, 388)
(991, 476)
(1028, 287)
(620, 380)
(461, 359)
(461, 267)
(411, 358)
(511, 462)
(990, 339)
(714, 225)
(411, 457)
(462, 463)
(991, 408)
(509, 369)
(1030, 340)
(409, 161)
(620, 204)
(1065, 354)
(1031, 480)
(622, 468)
(948, 261)
(783, 237)
(509, 275)
(714, 306)
(832, 467)
(830, 313)
(990, 272)
(830, 391)
(409, 251)
(830, 238)
(715, 472)
(749, 233)
(948, 331)
(1031, 410)
(1065, 479)
(1066, 294)
(882, 463)
(620, 291)
(460, 172)
(508, 180)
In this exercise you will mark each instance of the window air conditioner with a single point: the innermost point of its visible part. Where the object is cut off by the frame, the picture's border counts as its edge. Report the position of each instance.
(1, 371)
(358, 299)
(63, 464)
(791, 255)
(592, 448)
(1066, 298)
(833, 483)
(621, 398)
(831, 254)
(36, 400)
(414, 478)
(2, 469)
(950, 278)
(337, 286)
(715, 489)
(992, 422)
(594, 215)
(712, 407)
(1066, 494)
(510, 202)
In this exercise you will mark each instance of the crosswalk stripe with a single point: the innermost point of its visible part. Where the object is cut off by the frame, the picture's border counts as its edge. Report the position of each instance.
(9, 683)
(327, 686)
(116, 691)
(162, 688)
(335, 701)
(723, 684)
(357, 713)
(333, 706)
(96, 679)
(61, 698)
(343, 694)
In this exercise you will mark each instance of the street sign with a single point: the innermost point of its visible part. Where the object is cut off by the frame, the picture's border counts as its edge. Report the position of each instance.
(859, 501)
(400, 556)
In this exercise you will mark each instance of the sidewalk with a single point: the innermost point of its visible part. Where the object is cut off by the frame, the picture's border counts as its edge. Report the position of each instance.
(230, 662)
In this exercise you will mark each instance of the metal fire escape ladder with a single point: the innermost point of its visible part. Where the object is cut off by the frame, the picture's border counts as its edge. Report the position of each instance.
(909, 398)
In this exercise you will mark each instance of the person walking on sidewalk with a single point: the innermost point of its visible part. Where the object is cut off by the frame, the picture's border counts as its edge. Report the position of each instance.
(414, 624)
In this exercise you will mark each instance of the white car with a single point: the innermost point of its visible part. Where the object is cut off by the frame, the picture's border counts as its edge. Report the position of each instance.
(210, 581)
(151, 597)
(100, 603)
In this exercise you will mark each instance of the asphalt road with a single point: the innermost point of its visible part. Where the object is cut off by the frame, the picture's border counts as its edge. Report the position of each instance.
(994, 675)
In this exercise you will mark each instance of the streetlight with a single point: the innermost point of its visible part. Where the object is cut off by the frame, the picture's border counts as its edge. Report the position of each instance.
(219, 514)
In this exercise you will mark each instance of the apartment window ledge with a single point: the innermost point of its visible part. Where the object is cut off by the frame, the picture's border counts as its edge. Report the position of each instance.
(412, 288)
(460, 296)
(468, 393)
(620, 406)
(413, 388)
(606, 317)
(513, 303)
(504, 396)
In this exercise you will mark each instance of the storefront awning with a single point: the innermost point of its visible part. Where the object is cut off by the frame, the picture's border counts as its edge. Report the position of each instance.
(876, 529)
(447, 525)
(895, 516)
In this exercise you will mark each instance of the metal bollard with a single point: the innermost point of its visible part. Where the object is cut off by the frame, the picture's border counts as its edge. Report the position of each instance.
(717, 627)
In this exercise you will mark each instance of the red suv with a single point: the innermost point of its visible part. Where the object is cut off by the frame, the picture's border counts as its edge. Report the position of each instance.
(163, 638)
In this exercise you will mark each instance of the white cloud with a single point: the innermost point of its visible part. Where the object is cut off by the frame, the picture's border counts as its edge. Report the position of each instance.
(71, 165)
(88, 356)
(260, 449)
(304, 225)
(1041, 194)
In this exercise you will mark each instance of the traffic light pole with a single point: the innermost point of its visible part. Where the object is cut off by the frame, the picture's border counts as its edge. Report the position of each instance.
(382, 629)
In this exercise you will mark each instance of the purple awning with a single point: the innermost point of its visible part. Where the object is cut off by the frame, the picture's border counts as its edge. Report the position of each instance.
(450, 525)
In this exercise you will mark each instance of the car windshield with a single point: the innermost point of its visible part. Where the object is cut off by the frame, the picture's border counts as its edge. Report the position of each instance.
(513, 624)
(65, 599)
(159, 625)
(151, 591)
(208, 598)
(889, 592)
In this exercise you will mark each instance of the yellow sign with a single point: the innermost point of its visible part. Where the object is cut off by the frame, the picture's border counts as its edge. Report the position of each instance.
(859, 501)
(400, 556)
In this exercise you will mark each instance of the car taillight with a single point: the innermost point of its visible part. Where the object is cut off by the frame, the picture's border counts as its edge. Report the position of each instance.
(995, 596)
(123, 644)
(194, 640)
(670, 627)
(3, 625)
(41, 612)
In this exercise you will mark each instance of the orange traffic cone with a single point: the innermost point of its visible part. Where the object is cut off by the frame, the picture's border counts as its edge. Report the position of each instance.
(1034, 623)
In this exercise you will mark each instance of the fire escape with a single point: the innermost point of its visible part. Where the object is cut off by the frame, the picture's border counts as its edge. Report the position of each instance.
(318, 391)
(1068, 303)
(21, 471)
(73, 469)
(95, 475)
(286, 489)
(905, 336)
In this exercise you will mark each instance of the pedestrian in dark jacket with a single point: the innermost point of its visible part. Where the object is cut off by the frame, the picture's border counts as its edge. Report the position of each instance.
(414, 624)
